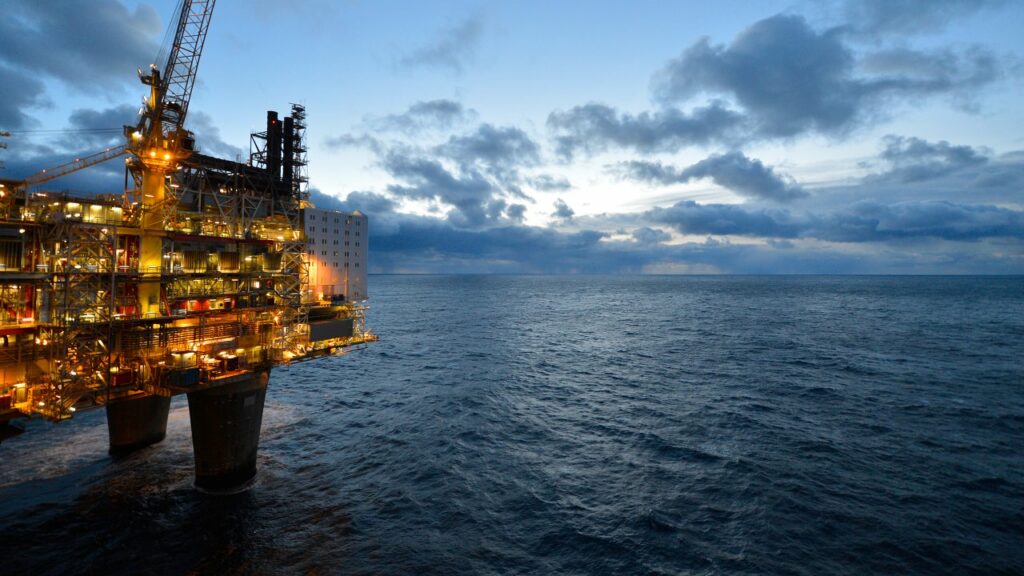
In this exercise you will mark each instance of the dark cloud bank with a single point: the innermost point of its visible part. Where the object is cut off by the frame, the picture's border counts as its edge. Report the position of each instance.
(911, 238)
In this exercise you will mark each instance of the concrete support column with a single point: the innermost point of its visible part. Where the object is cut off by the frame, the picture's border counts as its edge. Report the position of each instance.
(226, 431)
(137, 422)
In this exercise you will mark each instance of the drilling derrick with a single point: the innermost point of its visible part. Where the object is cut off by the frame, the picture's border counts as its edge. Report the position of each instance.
(195, 280)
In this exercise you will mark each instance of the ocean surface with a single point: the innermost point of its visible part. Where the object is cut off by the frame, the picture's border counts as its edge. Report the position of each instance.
(585, 425)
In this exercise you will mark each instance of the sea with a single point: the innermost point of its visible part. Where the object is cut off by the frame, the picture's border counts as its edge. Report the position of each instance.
(647, 425)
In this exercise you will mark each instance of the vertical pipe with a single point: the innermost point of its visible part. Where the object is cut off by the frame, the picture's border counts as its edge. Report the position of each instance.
(273, 150)
(289, 151)
(111, 308)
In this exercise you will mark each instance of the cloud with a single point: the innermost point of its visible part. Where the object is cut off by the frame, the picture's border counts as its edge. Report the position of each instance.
(428, 179)
(498, 150)
(1004, 173)
(733, 170)
(881, 17)
(903, 73)
(355, 141)
(423, 244)
(86, 45)
(451, 49)
(916, 160)
(516, 212)
(22, 92)
(593, 128)
(369, 203)
(790, 79)
(549, 183)
(477, 198)
(208, 138)
(477, 172)
(862, 222)
(473, 172)
(424, 115)
(779, 79)
(647, 235)
(937, 69)
(946, 220)
(562, 211)
(690, 217)
(92, 124)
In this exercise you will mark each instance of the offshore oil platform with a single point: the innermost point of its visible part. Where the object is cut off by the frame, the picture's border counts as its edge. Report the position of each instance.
(195, 280)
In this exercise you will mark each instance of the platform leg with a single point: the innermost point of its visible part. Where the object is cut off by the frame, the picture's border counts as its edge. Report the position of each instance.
(226, 432)
(137, 422)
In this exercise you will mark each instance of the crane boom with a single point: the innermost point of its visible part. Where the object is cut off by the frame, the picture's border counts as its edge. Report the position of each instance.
(75, 165)
(183, 61)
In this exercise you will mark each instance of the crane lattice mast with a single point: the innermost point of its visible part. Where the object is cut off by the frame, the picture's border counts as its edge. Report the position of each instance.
(160, 140)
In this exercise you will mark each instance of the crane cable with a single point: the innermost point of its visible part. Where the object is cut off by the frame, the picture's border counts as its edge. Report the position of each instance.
(165, 44)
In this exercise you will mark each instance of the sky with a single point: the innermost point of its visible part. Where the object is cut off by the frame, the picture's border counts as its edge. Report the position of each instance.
(735, 137)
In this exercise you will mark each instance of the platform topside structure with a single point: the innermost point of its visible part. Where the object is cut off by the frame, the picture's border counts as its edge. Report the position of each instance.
(195, 279)
(113, 297)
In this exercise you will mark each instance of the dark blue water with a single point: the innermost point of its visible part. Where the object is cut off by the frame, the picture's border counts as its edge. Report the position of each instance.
(586, 425)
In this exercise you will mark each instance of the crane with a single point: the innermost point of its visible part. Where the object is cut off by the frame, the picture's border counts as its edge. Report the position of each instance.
(160, 141)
